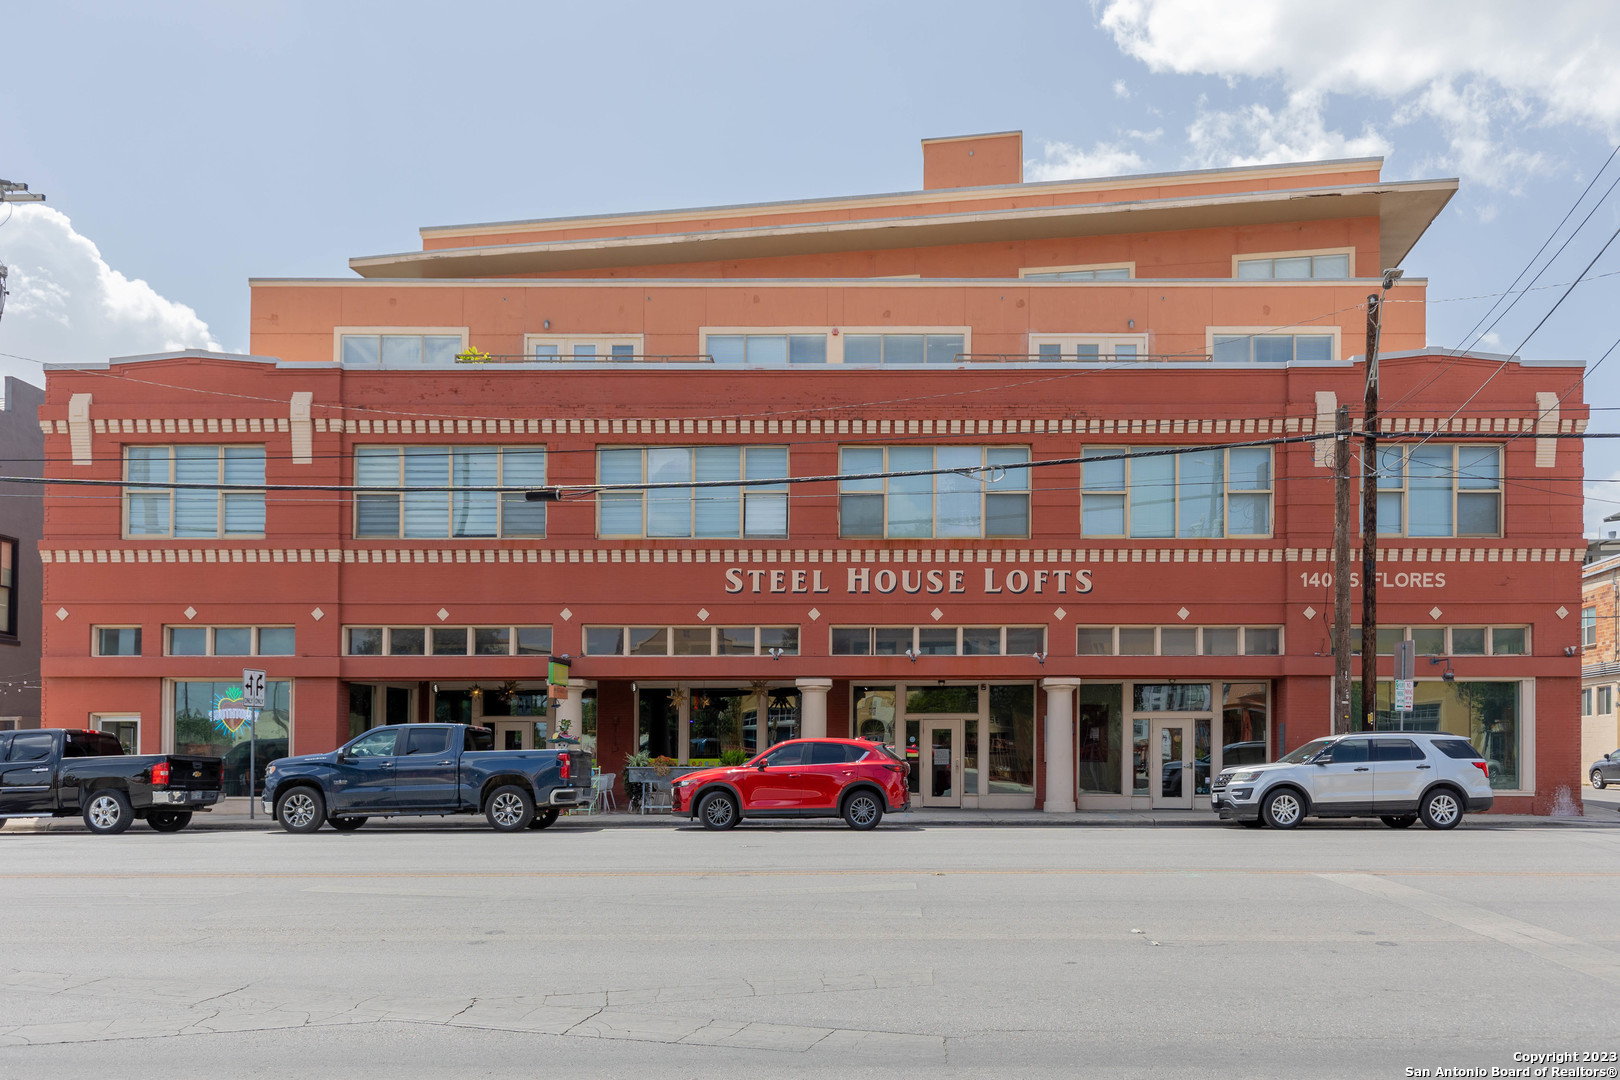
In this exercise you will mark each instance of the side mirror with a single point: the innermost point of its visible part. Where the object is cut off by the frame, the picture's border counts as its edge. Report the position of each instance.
(344, 759)
(761, 765)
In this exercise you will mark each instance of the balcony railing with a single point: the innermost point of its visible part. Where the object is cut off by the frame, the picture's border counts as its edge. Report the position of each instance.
(1067, 357)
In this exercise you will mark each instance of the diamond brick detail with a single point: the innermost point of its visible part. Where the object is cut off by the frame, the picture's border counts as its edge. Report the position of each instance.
(317, 614)
(190, 613)
(1059, 614)
(61, 613)
(814, 614)
(1562, 612)
(1434, 613)
(937, 614)
(442, 614)
(1310, 613)
(566, 614)
(703, 614)
(1182, 614)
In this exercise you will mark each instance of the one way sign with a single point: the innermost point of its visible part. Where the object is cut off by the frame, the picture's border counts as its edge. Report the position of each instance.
(252, 688)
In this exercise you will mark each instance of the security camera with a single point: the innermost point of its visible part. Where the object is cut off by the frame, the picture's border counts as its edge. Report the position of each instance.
(1570, 650)
(1040, 657)
(776, 654)
(911, 654)
(1448, 675)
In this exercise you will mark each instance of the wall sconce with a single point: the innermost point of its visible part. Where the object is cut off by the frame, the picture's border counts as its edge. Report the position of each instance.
(776, 654)
(911, 654)
(1040, 657)
(477, 691)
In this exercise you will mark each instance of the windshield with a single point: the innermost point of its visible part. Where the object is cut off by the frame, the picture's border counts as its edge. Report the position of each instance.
(1305, 753)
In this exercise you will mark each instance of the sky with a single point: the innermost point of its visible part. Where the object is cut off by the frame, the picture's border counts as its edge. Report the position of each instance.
(185, 147)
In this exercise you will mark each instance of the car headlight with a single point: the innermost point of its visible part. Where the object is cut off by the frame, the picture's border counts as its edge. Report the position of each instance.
(1246, 776)
(269, 770)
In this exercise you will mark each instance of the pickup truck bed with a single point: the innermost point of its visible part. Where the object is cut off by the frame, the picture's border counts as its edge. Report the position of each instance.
(56, 772)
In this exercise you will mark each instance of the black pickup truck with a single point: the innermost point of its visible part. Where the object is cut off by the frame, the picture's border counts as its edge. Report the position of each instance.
(56, 772)
(421, 769)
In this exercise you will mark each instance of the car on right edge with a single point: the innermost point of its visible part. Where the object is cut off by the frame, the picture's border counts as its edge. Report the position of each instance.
(1401, 777)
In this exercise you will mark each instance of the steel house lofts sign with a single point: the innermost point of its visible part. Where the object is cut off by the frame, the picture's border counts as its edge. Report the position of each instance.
(865, 580)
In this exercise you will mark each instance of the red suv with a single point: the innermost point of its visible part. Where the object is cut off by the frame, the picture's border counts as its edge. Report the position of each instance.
(848, 778)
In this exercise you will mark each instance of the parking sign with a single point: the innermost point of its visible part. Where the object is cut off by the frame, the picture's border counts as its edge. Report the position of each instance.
(252, 688)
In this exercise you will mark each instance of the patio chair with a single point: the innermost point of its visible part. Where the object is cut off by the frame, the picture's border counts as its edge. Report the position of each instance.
(602, 792)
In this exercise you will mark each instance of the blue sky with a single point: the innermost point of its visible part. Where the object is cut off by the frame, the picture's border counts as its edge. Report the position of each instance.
(194, 145)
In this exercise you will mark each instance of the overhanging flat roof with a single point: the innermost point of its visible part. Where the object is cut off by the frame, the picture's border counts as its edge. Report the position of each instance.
(1404, 209)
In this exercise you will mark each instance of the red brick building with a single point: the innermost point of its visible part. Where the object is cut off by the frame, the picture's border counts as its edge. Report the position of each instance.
(1103, 633)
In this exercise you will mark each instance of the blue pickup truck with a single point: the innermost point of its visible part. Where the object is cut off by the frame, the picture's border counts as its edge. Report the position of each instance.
(422, 769)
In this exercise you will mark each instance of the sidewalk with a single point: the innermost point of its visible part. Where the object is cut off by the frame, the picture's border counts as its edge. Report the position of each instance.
(232, 815)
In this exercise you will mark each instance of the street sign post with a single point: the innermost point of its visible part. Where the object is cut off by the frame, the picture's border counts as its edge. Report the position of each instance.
(253, 700)
(1405, 655)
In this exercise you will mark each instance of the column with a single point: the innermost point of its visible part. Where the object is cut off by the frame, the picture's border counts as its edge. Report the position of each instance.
(1060, 744)
(572, 709)
(813, 707)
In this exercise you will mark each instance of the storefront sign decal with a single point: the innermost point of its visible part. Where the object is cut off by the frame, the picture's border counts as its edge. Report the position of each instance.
(864, 580)
(229, 712)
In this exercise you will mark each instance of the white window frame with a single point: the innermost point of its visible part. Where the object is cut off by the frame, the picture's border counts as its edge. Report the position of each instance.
(211, 631)
(1107, 346)
(98, 719)
(220, 493)
(1589, 640)
(985, 492)
(1158, 644)
(757, 491)
(1227, 491)
(449, 449)
(95, 640)
(1450, 650)
(669, 640)
(1080, 268)
(1311, 253)
(167, 734)
(566, 344)
(1457, 490)
(835, 336)
(338, 333)
(916, 637)
(427, 652)
(1335, 332)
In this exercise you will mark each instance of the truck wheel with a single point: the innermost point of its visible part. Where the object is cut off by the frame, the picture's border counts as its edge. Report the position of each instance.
(301, 810)
(1441, 808)
(168, 820)
(545, 819)
(510, 809)
(108, 812)
(347, 824)
(718, 810)
(1283, 809)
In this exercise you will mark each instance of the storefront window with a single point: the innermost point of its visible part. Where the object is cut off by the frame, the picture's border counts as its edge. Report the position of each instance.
(942, 700)
(360, 705)
(722, 720)
(1201, 756)
(1171, 697)
(515, 702)
(1139, 757)
(210, 719)
(587, 722)
(656, 724)
(1011, 740)
(1487, 714)
(1100, 720)
(1245, 714)
(874, 713)
(970, 757)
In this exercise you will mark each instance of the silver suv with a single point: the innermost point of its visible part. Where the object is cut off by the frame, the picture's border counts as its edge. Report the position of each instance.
(1398, 776)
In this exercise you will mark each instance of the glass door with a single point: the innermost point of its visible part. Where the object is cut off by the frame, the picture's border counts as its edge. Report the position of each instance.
(1172, 779)
(941, 761)
(513, 734)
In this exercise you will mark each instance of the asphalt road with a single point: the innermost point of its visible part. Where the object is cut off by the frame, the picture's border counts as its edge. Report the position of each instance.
(429, 950)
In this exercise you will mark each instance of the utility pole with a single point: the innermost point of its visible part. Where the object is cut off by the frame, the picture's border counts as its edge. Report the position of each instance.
(1369, 511)
(11, 192)
(1369, 523)
(1341, 572)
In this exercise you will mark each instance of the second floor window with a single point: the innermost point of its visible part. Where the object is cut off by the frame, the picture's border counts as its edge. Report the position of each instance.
(8, 588)
(1197, 494)
(1270, 348)
(193, 513)
(755, 511)
(399, 350)
(767, 350)
(1440, 489)
(902, 348)
(1294, 267)
(1589, 626)
(442, 514)
(989, 496)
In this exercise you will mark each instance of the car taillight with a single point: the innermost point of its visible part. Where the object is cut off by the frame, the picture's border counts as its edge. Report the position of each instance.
(160, 774)
(894, 767)
(564, 762)
(1483, 767)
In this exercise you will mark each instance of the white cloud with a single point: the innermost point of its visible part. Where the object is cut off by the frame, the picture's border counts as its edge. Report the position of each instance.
(67, 304)
(1256, 135)
(1064, 161)
(1480, 73)
(1120, 89)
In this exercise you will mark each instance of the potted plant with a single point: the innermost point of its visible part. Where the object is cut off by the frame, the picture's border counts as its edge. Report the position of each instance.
(732, 758)
(637, 766)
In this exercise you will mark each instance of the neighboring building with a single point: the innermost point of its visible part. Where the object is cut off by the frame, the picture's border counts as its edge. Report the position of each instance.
(22, 519)
(1600, 663)
(1032, 636)
(1608, 543)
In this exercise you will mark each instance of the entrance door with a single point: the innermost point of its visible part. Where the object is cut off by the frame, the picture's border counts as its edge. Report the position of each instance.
(1171, 778)
(513, 734)
(941, 762)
